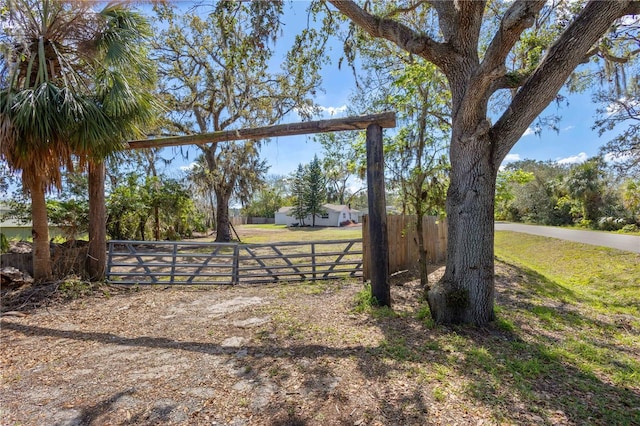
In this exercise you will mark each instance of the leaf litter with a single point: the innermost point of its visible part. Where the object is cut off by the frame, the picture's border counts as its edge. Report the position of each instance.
(281, 354)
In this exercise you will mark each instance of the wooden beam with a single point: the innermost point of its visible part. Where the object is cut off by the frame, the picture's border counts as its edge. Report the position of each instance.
(377, 221)
(384, 120)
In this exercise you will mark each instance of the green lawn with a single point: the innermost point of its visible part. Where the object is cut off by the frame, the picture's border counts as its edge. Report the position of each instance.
(280, 233)
(576, 309)
(564, 349)
(606, 281)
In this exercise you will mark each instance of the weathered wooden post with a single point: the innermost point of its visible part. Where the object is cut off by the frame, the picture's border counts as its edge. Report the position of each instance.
(379, 248)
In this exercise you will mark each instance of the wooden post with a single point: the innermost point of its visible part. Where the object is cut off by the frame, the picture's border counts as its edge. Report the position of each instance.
(313, 261)
(235, 274)
(379, 249)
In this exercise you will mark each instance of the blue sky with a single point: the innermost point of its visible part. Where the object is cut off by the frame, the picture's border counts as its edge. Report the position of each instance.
(574, 142)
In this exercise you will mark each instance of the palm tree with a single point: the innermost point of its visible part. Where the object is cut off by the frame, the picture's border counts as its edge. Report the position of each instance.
(73, 86)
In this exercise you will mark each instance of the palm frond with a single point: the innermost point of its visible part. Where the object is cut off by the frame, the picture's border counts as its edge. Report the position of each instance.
(76, 83)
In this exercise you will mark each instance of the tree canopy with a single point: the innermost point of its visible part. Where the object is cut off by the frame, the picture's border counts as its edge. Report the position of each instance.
(216, 75)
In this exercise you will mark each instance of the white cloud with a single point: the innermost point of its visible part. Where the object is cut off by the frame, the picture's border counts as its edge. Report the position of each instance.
(630, 20)
(188, 167)
(302, 111)
(510, 158)
(325, 111)
(619, 106)
(567, 128)
(529, 132)
(616, 157)
(333, 110)
(574, 159)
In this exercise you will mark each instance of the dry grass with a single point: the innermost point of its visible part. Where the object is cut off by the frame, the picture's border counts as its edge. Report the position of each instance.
(280, 233)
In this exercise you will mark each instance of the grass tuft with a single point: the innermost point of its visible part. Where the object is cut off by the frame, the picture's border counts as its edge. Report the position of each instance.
(365, 300)
(73, 288)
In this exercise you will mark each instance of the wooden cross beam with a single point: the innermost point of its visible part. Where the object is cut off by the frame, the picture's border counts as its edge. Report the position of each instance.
(384, 120)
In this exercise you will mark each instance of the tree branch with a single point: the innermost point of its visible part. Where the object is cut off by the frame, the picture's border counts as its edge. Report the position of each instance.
(458, 15)
(608, 56)
(446, 17)
(632, 114)
(632, 9)
(409, 8)
(552, 72)
(520, 16)
(491, 74)
(389, 29)
(511, 80)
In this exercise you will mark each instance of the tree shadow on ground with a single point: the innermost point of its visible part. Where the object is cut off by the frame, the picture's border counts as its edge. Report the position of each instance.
(550, 355)
(521, 374)
(515, 373)
(91, 413)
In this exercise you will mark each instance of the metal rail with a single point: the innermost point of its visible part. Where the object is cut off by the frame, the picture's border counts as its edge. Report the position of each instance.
(196, 263)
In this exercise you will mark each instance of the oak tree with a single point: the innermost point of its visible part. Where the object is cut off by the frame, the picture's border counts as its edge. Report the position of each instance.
(480, 48)
(217, 74)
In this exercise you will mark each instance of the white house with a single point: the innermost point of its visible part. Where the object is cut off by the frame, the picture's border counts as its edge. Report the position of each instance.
(334, 215)
(16, 229)
(13, 228)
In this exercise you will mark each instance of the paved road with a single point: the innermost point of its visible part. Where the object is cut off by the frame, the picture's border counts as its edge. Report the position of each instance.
(617, 241)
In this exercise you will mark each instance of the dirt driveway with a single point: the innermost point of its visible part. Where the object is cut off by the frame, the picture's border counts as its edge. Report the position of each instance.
(297, 354)
(276, 355)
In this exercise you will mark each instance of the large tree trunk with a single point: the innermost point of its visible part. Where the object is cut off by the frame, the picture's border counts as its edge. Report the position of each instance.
(465, 294)
(223, 230)
(97, 255)
(40, 232)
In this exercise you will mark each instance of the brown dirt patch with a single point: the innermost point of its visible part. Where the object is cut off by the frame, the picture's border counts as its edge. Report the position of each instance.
(292, 354)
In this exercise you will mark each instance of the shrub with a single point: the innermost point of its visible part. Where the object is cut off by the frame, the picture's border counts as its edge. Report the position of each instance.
(365, 299)
(610, 223)
(630, 228)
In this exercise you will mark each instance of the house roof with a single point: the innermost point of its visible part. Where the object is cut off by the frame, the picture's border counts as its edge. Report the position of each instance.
(285, 209)
(336, 208)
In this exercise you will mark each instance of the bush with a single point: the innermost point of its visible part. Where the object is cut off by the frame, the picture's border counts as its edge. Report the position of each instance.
(610, 223)
(73, 288)
(585, 223)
